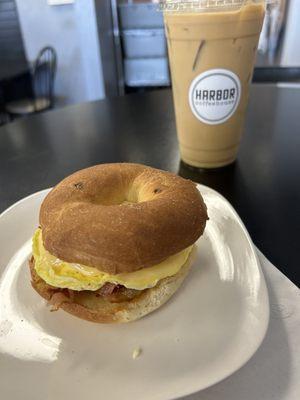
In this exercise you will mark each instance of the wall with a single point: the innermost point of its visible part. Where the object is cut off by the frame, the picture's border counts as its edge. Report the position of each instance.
(72, 31)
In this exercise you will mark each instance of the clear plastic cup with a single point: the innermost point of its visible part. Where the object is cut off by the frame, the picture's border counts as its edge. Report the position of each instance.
(212, 47)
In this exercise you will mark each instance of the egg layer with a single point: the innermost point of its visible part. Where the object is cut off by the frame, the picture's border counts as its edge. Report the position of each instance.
(75, 276)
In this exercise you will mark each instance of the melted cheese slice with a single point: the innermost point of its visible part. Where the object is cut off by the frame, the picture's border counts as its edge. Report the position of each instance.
(74, 276)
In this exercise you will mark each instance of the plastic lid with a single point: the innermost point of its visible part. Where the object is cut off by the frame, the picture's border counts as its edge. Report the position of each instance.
(208, 5)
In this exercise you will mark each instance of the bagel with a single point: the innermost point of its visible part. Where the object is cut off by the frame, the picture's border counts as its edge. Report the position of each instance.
(115, 240)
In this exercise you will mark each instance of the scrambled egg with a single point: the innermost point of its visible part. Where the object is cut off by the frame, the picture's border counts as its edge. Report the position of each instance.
(74, 276)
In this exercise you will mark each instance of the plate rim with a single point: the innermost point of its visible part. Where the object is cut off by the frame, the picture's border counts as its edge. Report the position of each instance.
(263, 280)
(23, 199)
(253, 248)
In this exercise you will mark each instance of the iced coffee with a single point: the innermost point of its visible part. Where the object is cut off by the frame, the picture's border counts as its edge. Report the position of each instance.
(212, 47)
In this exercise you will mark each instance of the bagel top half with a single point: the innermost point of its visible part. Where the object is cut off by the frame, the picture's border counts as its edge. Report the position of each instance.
(121, 218)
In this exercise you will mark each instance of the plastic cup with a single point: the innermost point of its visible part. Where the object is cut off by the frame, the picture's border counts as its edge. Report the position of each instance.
(212, 47)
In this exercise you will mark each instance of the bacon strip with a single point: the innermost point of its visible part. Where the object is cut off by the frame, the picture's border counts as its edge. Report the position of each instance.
(61, 297)
(107, 289)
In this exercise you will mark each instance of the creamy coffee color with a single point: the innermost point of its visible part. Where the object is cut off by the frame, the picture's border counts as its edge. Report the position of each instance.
(211, 55)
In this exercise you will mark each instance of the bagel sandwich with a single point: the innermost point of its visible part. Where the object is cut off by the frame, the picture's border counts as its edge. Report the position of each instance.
(115, 241)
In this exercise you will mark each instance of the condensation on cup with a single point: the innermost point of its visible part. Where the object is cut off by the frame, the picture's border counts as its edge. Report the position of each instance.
(212, 47)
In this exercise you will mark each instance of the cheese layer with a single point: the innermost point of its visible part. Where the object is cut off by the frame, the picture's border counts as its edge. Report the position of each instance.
(75, 276)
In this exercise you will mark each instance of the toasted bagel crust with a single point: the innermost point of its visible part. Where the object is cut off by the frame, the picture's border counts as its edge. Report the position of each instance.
(121, 217)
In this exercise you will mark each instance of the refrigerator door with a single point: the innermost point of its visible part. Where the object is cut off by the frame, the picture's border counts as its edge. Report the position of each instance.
(110, 46)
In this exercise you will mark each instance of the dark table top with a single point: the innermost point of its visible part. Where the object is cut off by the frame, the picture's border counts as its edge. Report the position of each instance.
(263, 185)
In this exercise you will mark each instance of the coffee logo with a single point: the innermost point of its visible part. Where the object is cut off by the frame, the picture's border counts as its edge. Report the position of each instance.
(214, 95)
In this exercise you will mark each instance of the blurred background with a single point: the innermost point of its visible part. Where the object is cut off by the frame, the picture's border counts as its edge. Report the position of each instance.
(59, 52)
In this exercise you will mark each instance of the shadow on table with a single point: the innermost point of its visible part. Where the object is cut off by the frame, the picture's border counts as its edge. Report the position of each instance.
(267, 373)
(222, 179)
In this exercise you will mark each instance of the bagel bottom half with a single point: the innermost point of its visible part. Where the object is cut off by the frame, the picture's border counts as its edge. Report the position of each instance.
(86, 305)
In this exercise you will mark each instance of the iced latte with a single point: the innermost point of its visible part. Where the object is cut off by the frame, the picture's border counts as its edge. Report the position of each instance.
(212, 47)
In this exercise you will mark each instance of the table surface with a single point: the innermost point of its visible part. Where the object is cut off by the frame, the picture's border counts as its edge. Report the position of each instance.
(263, 184)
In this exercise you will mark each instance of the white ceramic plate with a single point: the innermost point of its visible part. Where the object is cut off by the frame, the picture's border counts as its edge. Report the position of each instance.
(208, 330)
